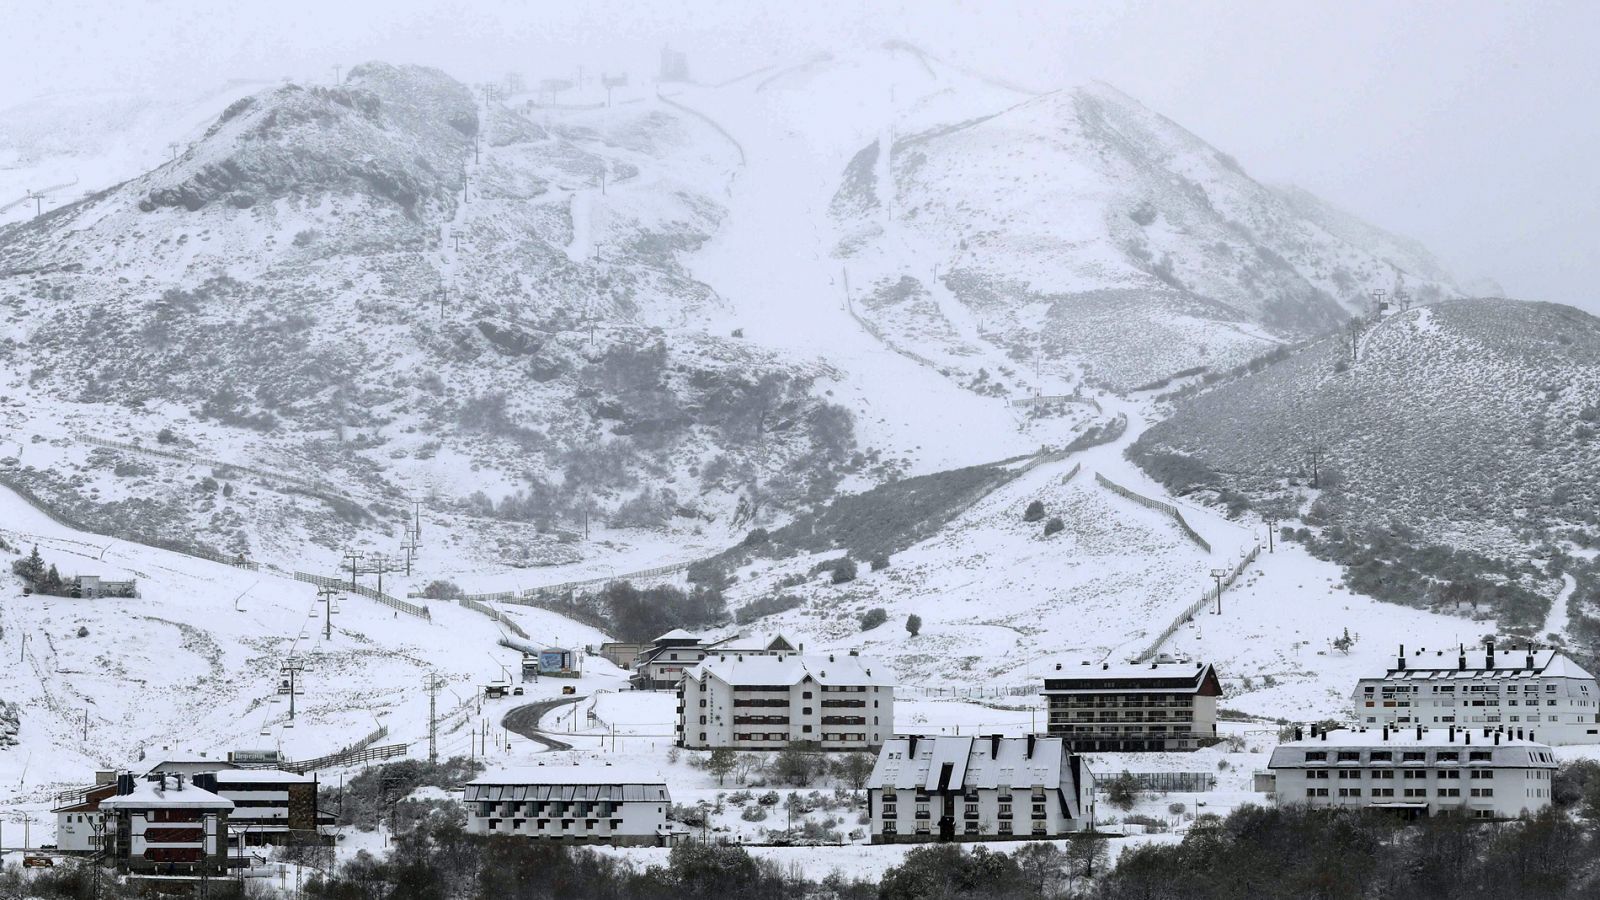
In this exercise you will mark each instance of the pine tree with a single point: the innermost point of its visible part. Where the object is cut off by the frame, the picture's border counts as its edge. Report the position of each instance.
(1034, 512)
(914, 624)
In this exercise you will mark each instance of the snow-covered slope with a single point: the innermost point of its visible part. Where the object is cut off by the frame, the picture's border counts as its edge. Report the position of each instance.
(1084, 225)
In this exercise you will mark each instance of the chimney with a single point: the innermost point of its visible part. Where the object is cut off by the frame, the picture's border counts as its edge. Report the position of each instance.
(1530, 734)
(1386, 732)
(1419, 732)
(1461, 659)
(1530, 655)
(1468, 735)
(1324, 734)
(1104, 666)
(1058, 666)
(1488, 654)
(1299, 733)
(1401, 666)
(830, 657)
(1313, 729)
(1030, 748)
(1497, 738)
(1152, 665)
(911, 751)
(1452, 734)
(180, 781)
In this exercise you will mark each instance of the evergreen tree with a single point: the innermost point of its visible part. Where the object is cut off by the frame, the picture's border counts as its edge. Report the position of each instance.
(914, 624)
(1034, 512)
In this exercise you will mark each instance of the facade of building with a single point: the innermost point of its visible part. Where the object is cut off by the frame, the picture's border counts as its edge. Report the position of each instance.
(269, 806)
(165, 824)
(765, 702)
(1419, 771)
(80, 823)
(948, 788)
(1133, 708)
(1542, 691)
(574, 804)
(623, 653)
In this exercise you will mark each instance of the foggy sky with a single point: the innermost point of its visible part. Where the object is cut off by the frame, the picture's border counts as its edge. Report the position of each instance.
(1470, 126)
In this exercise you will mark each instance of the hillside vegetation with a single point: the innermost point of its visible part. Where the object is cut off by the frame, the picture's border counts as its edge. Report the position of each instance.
(1468, 424)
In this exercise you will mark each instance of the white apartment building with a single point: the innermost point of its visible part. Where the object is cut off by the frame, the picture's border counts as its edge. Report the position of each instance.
(948, 788)
(588, 804)
(764, 702)
(1540, 690)
(1415, 772)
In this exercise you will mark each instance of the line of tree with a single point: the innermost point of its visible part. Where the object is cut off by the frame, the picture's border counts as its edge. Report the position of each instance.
(41, 578)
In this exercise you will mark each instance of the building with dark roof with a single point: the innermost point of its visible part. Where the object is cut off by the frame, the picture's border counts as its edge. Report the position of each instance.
(1133, 708)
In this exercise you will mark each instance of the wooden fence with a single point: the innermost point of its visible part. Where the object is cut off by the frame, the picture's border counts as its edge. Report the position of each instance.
(360, 751)
(1156, 505)
(495, 614)
(529, 596)
(410, 609)
(1155, 646)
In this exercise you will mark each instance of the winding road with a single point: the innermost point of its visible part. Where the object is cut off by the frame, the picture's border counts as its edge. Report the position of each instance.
(524, 720)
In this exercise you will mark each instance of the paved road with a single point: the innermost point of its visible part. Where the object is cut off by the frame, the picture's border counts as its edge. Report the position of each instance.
(524, 720)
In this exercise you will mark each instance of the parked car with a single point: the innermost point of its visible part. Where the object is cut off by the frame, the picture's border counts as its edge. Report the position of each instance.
(516, 692)
(38, 862)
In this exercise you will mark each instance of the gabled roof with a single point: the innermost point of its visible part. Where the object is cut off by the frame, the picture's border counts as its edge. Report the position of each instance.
(571, 775)
(1509, 662)
(1172, 677)
(676, 634)
(946, 762)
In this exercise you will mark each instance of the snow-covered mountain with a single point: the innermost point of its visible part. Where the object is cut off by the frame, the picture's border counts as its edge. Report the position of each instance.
(336, 282)
(1082, 226)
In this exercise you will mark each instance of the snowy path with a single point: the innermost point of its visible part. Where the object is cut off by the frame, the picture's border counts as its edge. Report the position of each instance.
(1559, 617)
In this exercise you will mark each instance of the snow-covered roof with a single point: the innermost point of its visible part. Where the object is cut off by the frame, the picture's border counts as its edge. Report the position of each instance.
(572, 775)
(677, 634)
(975, 762)
(1510, 750)
(1508, 663)
(1131, 677)
(165, 794)
(755, 642)
(261, 776)
(792, 668)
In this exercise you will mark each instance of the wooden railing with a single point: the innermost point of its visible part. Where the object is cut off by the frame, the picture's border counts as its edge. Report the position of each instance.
(410, 609)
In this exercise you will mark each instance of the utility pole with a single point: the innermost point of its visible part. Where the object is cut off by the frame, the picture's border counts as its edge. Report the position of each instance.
(433, 718)
(38, 205)
(172, 147)
(86, 724)
(327, 595)
(380, 566)
(457, 237)
(354, 557)
(337, 80)
(292, 667)
(1219, 574)
(444, 294)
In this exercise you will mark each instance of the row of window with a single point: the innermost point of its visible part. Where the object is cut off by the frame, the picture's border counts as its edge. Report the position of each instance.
(1004, 826)
(1420, 793)
(1388, 774)
(1405, 756)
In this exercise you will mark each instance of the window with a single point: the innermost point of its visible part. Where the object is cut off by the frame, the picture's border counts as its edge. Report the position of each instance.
(971, 811)
(1005, 826)
(1005, 809)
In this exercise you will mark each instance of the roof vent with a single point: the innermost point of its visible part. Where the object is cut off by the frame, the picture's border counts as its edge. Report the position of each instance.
(830, 657)
(1104, 666)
